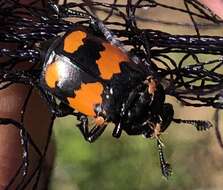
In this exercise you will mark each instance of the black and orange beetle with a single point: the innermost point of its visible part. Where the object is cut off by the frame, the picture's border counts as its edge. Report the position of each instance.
(93, 77)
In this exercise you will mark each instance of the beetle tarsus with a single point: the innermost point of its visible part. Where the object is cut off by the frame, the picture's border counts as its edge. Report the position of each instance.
(117, 131)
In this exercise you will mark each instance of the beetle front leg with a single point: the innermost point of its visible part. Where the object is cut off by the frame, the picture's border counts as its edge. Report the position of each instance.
(133, 96)
(94, 133)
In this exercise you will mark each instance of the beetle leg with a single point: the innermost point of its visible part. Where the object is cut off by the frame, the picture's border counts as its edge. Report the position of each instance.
(151, 82)
(165, 166)
(117, 130)
(63, 110)
(131, 98)
(94, 133)
(128, 111)
(60, 110)
(199, 124)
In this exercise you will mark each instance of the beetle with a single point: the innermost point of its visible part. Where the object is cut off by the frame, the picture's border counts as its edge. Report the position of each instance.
(94, 78)
(92, 75)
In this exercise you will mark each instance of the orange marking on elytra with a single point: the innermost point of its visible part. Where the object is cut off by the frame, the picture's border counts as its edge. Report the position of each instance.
(109, 62)
(73, 41)
(51, 75)
(86, 98)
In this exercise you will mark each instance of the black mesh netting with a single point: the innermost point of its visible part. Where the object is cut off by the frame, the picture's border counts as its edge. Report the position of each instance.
(189, 66)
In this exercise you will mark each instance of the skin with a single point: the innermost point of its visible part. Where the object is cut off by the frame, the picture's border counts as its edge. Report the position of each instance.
(215, 5)
(11, 101)
(37, 121)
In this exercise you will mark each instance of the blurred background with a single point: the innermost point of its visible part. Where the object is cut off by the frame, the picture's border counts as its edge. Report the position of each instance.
(132, 162)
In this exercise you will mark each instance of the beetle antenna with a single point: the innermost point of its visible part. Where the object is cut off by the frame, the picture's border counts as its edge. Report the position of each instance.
(201, 125)
(160, 141)
(165, 166)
